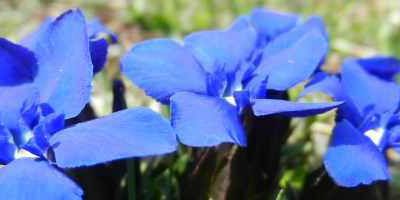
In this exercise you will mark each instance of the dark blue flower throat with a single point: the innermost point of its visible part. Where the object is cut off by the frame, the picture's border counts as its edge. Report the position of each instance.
(37, 123)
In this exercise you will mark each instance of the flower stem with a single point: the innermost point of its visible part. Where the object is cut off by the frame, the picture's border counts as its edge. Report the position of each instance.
(131, 179)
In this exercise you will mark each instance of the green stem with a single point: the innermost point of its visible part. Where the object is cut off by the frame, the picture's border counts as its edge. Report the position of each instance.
(131, 179)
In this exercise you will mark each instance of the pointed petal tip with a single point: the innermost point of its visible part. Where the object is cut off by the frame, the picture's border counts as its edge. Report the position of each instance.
(263, 107)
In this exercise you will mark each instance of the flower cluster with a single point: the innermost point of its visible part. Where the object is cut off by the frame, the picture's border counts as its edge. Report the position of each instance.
(213, 75)
(208, 80)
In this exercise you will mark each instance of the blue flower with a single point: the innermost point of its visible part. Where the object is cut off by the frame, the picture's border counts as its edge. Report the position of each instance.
(100, 37)
(194, 78)
(42, 86)
(367, 123)
(288, 52)
(212, 75)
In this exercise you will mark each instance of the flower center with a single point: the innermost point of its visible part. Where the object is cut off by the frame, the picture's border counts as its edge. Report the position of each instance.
(37, 123)
(22, 153)
(375, 135)
(231, 100)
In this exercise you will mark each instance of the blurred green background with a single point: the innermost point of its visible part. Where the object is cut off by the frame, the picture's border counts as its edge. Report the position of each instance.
(356, 28)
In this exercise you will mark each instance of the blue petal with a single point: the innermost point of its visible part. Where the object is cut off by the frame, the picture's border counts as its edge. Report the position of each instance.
(263, 107)
(317, 22)
(17, 64)
(331, 85)
(124, 134)
(394, 137)
(288, 66)
(65, 68)
(223, 49)
(32, 38)
(217, 83)
(352, 159)
(383, 67)
(36, 180)
(11, 102)
(162, 67)
(204, 121)
(368, 92)
(97, 33)
(8, 148)
(270, 24)
(349, 112)
(322, 82)
(99, 36)
(288, 39)
(242, 100)
(96, 30)
(98, 53)
(239, 78)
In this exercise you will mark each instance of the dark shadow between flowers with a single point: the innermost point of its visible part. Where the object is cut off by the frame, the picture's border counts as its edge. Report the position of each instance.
(319, 186)
(255, 170)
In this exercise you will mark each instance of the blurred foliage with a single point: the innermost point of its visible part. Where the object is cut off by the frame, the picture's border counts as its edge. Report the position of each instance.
(356, 28)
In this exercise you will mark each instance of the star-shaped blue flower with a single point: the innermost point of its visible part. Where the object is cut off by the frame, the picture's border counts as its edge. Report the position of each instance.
(212, 75)
(42, 86)
(367, 123)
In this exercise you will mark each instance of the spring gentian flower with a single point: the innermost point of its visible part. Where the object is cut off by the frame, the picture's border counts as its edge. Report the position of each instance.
(100, 37)
(200, 77)
(367, 124)
(194, 78)
(288, 52)
(42, 86)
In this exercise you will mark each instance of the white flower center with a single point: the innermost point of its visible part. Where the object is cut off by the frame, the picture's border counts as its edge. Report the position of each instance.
(231, 100)
(22, 153)
(375, 135)
(27, 135)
